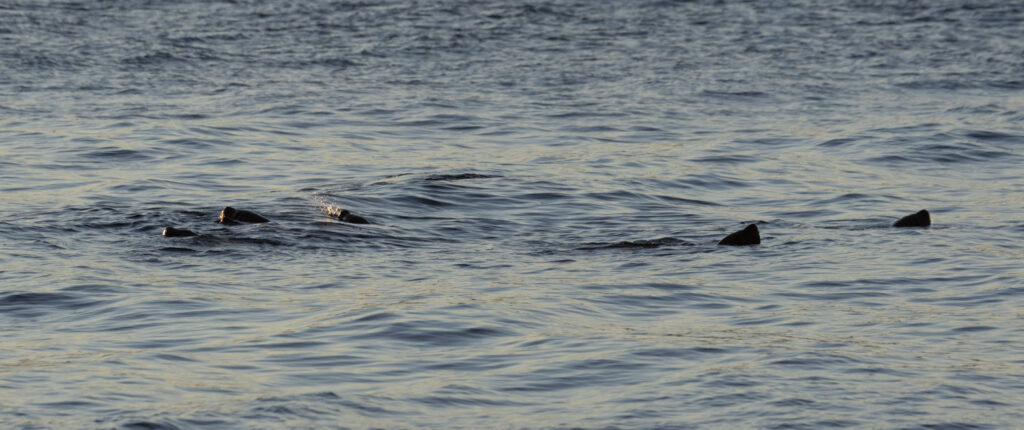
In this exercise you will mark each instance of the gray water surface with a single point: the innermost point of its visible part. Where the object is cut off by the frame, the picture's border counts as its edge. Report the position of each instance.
(518, 162)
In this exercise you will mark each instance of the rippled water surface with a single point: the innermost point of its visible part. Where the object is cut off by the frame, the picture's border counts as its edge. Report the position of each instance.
(546, 183)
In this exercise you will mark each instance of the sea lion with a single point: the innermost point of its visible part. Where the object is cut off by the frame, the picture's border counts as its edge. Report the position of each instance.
(231, 216)
(747, 236)
(346, 216)
(178, 232)
(919, 219)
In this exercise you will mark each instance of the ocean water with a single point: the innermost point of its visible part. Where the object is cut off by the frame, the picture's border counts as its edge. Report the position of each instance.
(546, 183)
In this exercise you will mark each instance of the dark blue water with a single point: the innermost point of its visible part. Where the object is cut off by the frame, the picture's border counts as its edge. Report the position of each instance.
(546, 182)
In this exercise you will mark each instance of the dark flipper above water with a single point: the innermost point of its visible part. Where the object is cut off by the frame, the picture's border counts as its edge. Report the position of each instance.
(346, 216)
(747, 236)
(231, 215)
(178, 232)
(919, 219)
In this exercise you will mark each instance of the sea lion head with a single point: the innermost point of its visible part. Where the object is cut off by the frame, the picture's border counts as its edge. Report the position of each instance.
(336, 212)
(178, 232)
(227, 216)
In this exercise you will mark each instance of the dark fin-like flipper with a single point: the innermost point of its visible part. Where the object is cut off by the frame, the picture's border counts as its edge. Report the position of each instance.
(747, 236)
(920, 219)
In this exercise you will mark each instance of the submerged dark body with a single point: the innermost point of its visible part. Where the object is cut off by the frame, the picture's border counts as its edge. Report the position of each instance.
(747, 236)
(919, 219)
